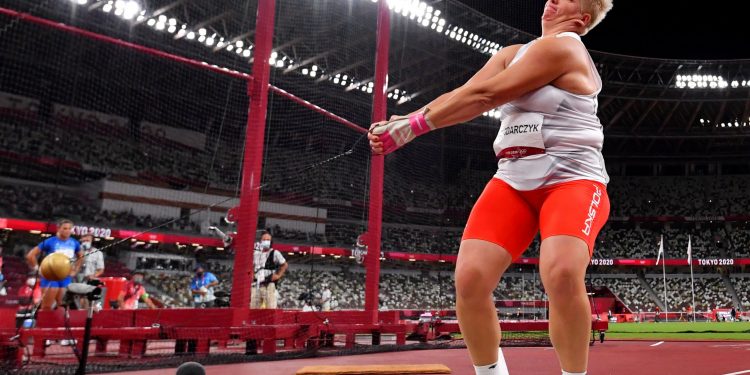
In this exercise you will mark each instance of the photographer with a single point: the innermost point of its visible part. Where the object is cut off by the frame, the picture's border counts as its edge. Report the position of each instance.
(133, 293)
(93, 264)
(269, 267)
(202, 287)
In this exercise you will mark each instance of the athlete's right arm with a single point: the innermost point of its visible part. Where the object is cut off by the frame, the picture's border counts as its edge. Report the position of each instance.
(31, 258)
(493, 67)
(387, 136)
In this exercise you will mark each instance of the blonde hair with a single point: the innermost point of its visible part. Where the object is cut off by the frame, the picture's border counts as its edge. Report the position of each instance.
(598, 10)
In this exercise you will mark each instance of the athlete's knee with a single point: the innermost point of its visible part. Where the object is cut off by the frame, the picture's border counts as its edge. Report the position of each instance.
(563, 279)
(471, 283)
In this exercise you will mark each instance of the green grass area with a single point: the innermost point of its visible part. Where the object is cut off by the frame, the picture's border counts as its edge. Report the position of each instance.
(680, 331)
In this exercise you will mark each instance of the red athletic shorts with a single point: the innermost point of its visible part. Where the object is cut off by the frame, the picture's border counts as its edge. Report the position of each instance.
(511, 218)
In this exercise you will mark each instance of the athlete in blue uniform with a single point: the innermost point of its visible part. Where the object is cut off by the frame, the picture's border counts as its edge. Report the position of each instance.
(61, 243)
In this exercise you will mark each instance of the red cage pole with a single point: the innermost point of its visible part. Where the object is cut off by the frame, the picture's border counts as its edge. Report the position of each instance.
(252, 162)
(375, 217)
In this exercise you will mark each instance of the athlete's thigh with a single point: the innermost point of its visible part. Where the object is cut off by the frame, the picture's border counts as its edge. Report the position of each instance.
(503, 217)
(577, 209)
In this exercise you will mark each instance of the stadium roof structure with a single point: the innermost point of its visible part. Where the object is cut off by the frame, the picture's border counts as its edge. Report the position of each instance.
(650, 108)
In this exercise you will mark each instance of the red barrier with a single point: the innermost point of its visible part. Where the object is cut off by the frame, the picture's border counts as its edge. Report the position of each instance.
(113, 285)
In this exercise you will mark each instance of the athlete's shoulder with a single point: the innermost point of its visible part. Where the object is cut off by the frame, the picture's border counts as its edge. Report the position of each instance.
(507, 53)
(557, 44)
(51, 241)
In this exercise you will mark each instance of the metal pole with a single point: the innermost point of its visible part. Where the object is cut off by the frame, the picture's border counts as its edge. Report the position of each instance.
(377, 168)
(664, 275)
(252, 162)
(86, 339)
(692, 288)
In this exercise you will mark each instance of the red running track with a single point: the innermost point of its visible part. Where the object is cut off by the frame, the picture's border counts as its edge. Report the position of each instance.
(610, 358)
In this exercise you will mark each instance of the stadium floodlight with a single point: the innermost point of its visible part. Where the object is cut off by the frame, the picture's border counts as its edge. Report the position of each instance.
(705, 81)
(130, 9)
(415, 10)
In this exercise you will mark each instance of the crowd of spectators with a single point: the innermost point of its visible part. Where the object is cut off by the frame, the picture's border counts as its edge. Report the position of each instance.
(710, 293)
(742, 286)
(113, 151)
(630, 291)
(39, 202)
(679, 196)
(739, 243)
(435, 290)
(426, 289)
(637, 243)
(441, 205)
(409, 198)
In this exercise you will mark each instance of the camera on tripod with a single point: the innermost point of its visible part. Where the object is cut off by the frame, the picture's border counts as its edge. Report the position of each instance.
(91, 290)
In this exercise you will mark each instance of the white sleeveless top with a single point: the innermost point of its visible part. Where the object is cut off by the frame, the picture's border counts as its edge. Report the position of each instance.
(560, 128)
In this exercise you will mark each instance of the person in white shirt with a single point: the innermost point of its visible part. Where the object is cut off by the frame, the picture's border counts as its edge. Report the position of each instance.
(269, 267)
(93, 265)
(325, 297)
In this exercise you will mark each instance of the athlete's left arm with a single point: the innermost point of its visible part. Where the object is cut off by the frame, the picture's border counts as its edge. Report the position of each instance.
(545, 61)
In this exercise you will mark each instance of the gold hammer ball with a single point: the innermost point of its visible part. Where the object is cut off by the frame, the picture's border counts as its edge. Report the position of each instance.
(55, 267)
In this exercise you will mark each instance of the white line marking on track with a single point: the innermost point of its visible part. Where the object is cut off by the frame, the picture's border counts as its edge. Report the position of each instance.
(731, 346)
(739, 372)
(658, 343)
